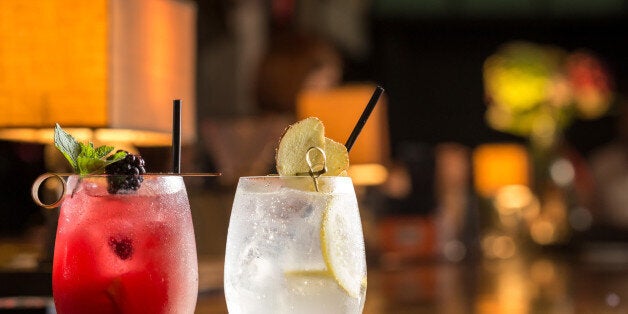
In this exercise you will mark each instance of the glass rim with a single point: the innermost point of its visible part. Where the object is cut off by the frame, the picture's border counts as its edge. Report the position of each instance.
(75, 176)
(257, 180)
(274, 176)
(149, 174)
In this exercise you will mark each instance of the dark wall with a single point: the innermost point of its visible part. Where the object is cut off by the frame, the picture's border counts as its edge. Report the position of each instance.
(432, 71)
(20, 164)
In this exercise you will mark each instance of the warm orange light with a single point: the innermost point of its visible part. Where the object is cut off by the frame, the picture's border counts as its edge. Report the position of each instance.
(53, 63)
(339, 109)
(543, 231)
(368, 174)
(114, 64)
(152, 62)
(498, 165)
(42, 136)
(499, 246)
(513, 199)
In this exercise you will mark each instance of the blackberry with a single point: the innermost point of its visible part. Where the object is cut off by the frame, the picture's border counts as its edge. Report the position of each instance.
(126, 174)
(121, 246)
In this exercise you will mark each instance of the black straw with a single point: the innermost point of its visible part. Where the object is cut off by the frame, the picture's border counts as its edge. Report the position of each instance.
(365, 115)
(176, 136)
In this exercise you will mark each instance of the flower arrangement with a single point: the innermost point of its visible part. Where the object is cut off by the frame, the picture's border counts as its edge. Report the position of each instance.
(537, 91)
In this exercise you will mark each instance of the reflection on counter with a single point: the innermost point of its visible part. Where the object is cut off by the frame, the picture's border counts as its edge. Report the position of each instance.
(543, 284)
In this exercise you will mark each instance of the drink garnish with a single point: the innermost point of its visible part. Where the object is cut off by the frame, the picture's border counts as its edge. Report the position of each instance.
(316, 170)
(126, 169)
(85, 158)
(295, 148)
(339, 238)
(304, 150)
(126, 174)
(122, 246)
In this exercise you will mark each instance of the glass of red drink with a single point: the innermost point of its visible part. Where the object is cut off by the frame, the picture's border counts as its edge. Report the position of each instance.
(127, 252)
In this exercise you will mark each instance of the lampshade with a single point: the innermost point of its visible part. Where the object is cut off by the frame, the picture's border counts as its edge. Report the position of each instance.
(496, 165)
(339, 109)
(104, 65)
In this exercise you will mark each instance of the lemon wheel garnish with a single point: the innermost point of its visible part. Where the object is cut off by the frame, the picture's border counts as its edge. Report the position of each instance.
(322, 273)
(343, 249)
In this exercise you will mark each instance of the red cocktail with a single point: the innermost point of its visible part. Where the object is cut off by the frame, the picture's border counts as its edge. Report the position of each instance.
(130, 252)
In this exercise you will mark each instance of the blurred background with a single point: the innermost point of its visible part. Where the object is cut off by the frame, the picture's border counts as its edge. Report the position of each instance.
(493, 172)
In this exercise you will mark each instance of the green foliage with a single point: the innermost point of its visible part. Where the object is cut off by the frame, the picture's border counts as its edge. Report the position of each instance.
(85, 158)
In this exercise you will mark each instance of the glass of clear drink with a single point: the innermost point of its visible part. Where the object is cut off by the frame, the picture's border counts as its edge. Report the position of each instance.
(295, 246)
(126, 252)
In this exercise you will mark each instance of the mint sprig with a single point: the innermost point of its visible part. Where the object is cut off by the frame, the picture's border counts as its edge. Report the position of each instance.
(85, 158)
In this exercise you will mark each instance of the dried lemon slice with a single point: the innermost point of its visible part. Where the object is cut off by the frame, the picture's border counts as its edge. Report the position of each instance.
(298, 139)
(337, 158)
(295, 143)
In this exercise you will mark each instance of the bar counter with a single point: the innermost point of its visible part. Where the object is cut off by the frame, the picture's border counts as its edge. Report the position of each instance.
(589, 281)
(593, 279)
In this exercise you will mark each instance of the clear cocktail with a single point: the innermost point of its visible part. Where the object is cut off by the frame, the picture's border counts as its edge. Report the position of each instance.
(129, 252)
(293, 249)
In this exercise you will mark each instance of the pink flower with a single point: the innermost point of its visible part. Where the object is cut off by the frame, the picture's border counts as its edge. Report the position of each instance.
(591, 84)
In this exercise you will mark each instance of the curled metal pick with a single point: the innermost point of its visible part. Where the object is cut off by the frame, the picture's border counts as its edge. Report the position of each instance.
(37, 184)
(316, 170)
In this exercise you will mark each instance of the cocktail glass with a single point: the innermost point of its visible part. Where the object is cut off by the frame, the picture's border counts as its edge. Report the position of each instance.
(293, 247)
(125, 253)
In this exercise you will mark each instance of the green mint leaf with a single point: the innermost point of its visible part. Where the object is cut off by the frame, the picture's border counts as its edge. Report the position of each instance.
(87, 150)
(103, 151)
(67, 145)
(93, 160)
(88, 165)
(116, 157)
(85, 158)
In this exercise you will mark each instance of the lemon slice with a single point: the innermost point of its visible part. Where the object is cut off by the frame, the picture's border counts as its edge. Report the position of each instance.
(308, 273)
(343, 248)
(341, 238)
(298, 139)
